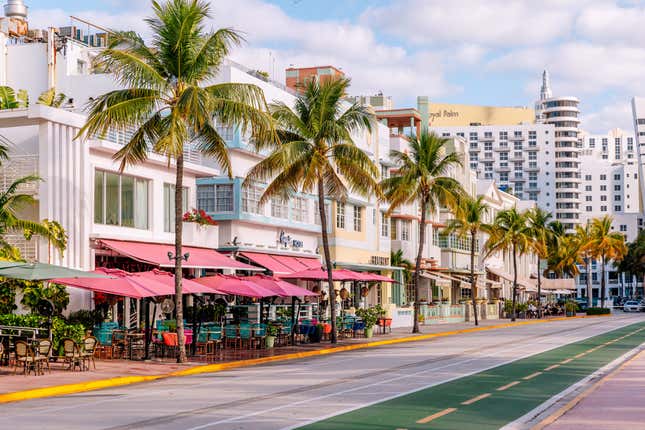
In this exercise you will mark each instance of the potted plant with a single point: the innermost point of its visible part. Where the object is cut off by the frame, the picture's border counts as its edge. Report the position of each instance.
(369, 316)
(272, 332)
(570, 308)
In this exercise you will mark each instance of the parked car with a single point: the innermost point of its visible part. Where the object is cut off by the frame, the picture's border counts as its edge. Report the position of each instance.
(633, 306)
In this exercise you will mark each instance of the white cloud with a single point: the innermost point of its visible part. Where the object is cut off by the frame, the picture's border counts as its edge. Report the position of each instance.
(615, 115)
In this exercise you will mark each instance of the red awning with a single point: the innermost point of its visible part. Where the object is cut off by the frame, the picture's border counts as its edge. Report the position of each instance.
(157, 254)
(282, 264)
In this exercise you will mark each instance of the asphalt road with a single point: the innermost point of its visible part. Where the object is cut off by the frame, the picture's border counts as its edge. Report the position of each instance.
(333, 388)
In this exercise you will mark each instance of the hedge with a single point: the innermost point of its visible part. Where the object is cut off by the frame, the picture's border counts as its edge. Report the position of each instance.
(598, 311)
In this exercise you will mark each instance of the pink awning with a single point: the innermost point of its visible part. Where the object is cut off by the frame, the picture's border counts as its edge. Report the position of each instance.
(188, 286)
(375, 277)
(321, 275)
(235, 286)
(282, 264)
(157, 254)
(280, 287)
(121, 283)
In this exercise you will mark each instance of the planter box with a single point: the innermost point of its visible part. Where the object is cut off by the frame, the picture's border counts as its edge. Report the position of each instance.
(206, 236)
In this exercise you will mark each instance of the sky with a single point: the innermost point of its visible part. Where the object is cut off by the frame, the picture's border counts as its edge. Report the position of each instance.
(465, 51)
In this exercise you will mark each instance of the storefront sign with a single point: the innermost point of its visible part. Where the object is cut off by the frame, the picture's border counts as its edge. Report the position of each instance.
(286, 240)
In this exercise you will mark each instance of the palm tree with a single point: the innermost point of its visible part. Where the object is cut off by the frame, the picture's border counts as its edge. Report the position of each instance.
(634, 260)
(51, 98)
(422, 177)
(510, 232)
(606, 245)
(538, 221)
(398, 260)
(584, 238)
(170, 101)
(318, 155)
(567, 256)
(470, 214)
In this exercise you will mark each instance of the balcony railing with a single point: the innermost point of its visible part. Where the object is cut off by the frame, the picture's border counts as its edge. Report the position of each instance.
(453, 241)
(19, 166)
(28, 248)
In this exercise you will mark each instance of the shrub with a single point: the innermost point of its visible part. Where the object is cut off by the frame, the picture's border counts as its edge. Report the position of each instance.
(87, 318)
(598, 311)
(369, 315)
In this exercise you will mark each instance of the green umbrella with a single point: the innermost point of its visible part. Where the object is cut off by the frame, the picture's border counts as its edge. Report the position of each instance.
(42, 271)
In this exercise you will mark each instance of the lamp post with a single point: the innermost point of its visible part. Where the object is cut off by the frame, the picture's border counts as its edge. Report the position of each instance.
(175, 258)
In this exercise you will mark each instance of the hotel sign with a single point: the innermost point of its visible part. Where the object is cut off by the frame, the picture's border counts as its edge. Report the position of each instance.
(286, 240)
(444, 113)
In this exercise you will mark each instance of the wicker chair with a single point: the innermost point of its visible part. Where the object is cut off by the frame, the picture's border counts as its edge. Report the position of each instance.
(24, 358)
(44, 351)
(89, 351)
(71, 354)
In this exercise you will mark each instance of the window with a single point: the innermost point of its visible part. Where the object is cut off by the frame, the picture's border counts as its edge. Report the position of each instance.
(299, 209)
(603, 177)
(385, 172)
(532, 156)
(340, 215)
(503, 135)
(358, 219)
(617, 177)
(623, 227)
(120, 200)
(517, 146)
(473, 136)
(503, 156)
(588, 198)
(617, 208)
(587, 187)
(592, 143)
(385, 225)
(206, 197)
(587, 177)
(503, 177)
(224, 197)
(616, 187)
(588, 208)
(603, 198)
(405, 229)
(603, 208)
(603, 188)
(251, 199)
(169, 206)
(81, 67)
(617, 197)
(488, 146)
(279, 208)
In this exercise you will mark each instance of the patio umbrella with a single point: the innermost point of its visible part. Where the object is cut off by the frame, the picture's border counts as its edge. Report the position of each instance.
(189, 286)
(43, 272)
(280, 287)
(228, 284)
(119, 283)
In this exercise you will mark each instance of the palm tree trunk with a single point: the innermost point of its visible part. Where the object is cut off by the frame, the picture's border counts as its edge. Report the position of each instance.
(179, 302)
(602, 283)
(328, 263)
(514, 284)
(417, 268)
(589, 287)
(473, 281)
(539, 298)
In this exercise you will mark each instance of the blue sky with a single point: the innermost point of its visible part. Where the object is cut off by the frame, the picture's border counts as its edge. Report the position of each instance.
(469, 51)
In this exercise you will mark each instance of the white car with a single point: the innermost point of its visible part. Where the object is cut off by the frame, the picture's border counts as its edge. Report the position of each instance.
(632, 306)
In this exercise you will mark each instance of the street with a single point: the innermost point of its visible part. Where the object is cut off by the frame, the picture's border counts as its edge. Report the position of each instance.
(438, 383)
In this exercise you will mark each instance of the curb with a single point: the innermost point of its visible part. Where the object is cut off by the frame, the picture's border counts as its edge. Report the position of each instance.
(61, 390)
(580, 397)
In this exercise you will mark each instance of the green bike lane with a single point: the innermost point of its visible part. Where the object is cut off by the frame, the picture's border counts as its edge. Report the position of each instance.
(494, 397)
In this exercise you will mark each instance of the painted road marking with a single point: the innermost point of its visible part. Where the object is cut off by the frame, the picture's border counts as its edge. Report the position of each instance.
(476, 399)
(435, 416)
(532, 375)
(568, 360)
(507, 386)
(551, 367)
(582, 354)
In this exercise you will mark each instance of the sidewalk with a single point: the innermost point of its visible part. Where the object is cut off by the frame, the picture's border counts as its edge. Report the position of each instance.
(615, 403)
(108, 369)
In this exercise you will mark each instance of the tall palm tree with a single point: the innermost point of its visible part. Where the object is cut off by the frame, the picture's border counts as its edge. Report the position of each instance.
(606, 245)
(422, 176)
(170, 101)
(584, 238)
(538, 222)
(318, 155)
(566, 257)
(510, 233)
(470, 216)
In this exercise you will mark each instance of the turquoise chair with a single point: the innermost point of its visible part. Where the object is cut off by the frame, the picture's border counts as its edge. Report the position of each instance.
(231, 335)
(246, 333)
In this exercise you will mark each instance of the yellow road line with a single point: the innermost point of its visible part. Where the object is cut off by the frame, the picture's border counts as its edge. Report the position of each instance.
(532, 375)
(507, 386)
(99, 384)
(568, 360)
(551, 367)
(476, 399)
(435, 416)
(582, 354)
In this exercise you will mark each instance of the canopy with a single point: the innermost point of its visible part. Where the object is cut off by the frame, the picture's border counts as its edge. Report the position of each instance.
(120, 283)
(321, 275)
(282, 264)
(280, 287)
(227, 284)
(189, 286)
(528, 284)
(375, 277)
(158, 254)
(42, 272)
(558, 284)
